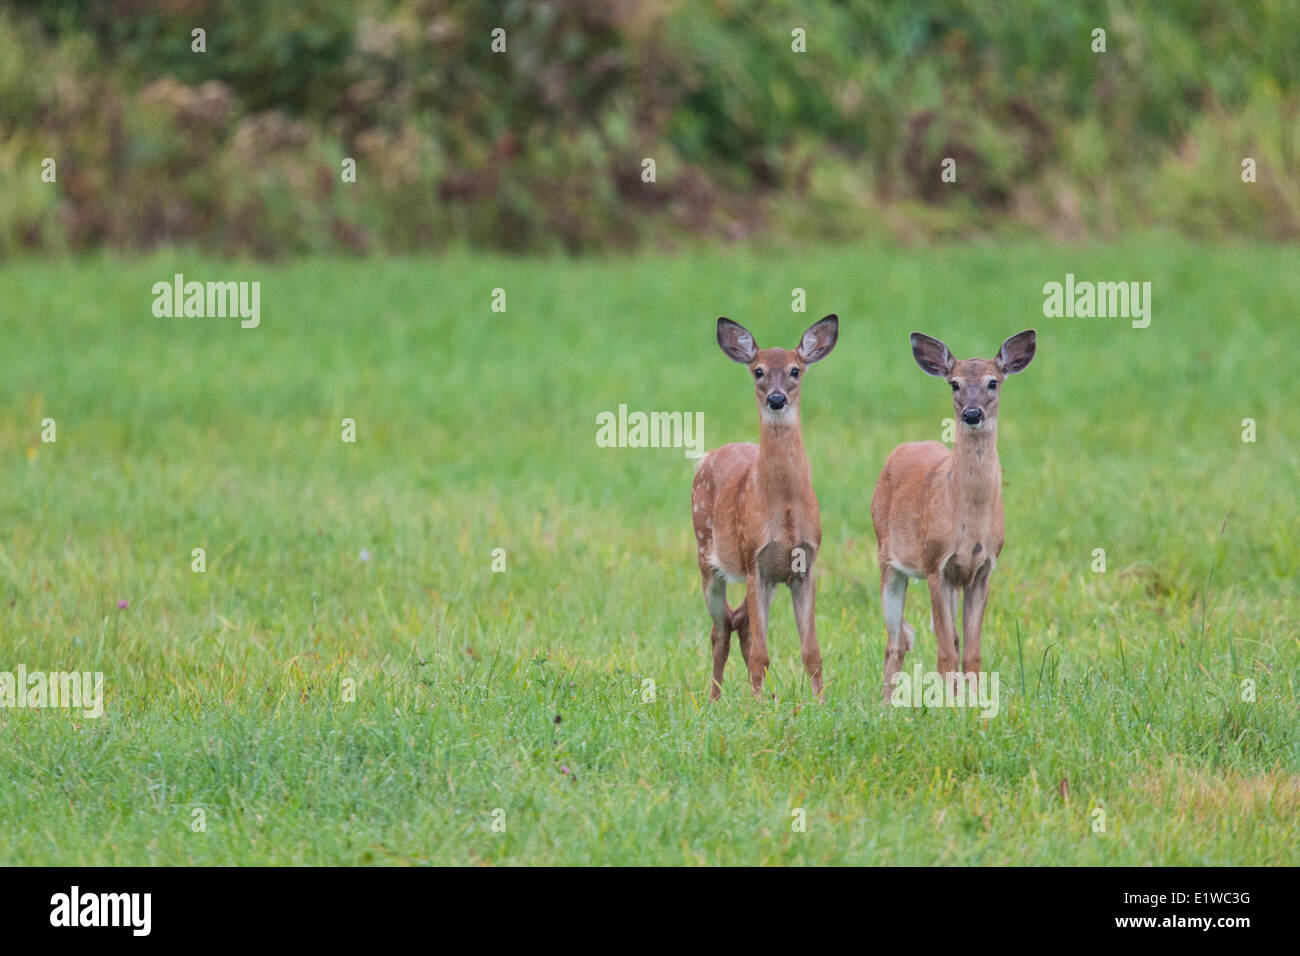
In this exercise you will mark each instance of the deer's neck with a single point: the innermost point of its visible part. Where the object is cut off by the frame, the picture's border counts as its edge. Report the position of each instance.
(783, 472)
(975, 480)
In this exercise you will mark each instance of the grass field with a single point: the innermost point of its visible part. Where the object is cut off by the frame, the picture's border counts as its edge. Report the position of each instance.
(524, 690)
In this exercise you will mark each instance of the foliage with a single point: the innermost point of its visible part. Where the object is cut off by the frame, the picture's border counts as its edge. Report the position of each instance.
(238, 149)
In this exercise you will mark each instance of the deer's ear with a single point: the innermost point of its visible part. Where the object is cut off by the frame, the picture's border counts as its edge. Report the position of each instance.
(820, 338)
(1017, 352)
(736, 341)
(932, 355)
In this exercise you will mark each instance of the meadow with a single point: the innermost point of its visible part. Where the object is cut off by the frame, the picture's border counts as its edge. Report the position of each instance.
(569, 691)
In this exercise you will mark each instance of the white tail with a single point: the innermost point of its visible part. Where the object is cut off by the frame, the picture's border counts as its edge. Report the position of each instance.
(754, 510)
(938, 514)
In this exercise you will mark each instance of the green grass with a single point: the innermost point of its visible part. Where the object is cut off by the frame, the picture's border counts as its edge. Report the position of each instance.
(477, 431)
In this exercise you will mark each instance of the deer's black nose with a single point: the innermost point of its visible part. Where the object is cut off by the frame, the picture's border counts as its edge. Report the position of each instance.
(776, 401)
(972, 416)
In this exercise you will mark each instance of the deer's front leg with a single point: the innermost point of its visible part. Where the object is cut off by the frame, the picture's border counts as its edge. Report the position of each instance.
(803, 595)
(758, 599)
(943, 603)
(972, 619)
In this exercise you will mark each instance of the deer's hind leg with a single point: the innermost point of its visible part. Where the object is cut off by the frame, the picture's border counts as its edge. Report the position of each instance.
(740, 624)
(899, 634)
(715, 599)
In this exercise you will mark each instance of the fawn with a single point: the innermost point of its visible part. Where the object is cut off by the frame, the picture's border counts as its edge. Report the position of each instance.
(755, 514)
(938, 513)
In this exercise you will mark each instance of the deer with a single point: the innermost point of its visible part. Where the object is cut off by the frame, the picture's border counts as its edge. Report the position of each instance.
(754, 510)
(937, 513)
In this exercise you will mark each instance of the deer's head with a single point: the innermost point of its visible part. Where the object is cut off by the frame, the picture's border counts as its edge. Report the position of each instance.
(778, 373)
(976, 382)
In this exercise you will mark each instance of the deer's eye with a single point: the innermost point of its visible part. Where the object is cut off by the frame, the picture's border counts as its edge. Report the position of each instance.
(993, 385)
(758, 373)
(794, 374)
(954, 386)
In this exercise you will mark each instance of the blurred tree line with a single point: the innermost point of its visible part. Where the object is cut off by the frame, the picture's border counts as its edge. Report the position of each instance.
(239, 149)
